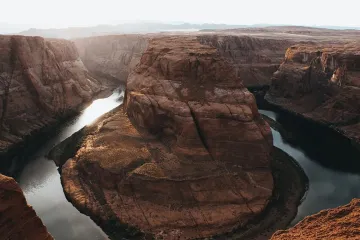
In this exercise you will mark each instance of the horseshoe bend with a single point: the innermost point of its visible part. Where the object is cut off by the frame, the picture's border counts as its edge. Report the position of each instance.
(187, 156)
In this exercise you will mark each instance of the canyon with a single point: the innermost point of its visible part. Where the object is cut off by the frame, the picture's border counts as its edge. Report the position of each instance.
(41, 81)
(188, 155)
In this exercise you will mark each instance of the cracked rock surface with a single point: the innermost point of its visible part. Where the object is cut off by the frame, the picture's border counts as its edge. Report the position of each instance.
(187, 157)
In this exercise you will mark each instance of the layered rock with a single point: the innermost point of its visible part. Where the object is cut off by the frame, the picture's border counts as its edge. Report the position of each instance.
(322, 83)
(18, 220)
(256, 59)
(40, 80)
(111, 57)
(188, 158)
(338, 223)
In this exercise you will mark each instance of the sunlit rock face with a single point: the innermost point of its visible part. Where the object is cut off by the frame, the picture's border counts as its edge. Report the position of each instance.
(40, 81)
(111, 57)
(322, 83)
(18, 220)
(188, 157)
(338, 223)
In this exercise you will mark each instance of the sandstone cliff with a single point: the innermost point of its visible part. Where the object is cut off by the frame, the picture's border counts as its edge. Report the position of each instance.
(256, 59)
(188, 158)
(322, 83)
(332, 224)
(18, 220)
(111, 57)
(40, 80)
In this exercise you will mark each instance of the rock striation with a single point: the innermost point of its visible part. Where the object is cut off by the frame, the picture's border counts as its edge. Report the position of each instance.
(18, 220)
(111, 57)
(321, 83)
(333, 224)
(41, 80)
(256, 59)
(187, 157)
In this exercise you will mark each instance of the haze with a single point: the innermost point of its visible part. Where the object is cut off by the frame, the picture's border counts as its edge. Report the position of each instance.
(19, 15)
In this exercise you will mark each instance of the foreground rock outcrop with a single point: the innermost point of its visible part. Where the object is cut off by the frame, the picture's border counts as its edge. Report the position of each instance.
(338, 223)
(321, 83)
(41, 81)
(188, 157)
(18, 220)
(112, 57)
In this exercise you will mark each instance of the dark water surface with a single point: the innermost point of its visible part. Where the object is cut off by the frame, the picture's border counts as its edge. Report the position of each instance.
(329, 187)
(40, 181)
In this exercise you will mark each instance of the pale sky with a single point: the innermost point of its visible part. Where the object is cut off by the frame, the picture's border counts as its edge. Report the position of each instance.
(68, 13)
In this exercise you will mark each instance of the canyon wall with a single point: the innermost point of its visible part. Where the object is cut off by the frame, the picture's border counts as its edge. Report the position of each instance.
(338, 223)
(321, 83)
(41, 80)
(256, 59)
(111, 57)
(187, 157)
(18, 220)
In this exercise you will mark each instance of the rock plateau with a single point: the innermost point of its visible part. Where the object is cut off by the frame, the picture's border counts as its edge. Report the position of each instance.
(187, 157)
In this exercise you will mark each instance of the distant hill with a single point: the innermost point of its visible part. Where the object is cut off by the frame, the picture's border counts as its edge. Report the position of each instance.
(126, 28)
(153, 27)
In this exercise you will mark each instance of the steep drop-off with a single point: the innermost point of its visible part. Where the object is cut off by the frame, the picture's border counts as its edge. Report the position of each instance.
(41, 80)
(189, 157)
(332, 224)
(321, 83)
(256, 59)
(111, 57)
(18, 220)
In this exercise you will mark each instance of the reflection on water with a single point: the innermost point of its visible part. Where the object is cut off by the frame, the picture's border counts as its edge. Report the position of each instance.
(41, 184)
(328, 188)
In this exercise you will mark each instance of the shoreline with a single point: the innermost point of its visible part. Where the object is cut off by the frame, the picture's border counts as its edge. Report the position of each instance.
(14, 158)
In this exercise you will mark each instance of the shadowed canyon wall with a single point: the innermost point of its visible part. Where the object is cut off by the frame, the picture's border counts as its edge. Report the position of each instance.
(17, 219)
(41, 80)
(111, 57)
(321, 83)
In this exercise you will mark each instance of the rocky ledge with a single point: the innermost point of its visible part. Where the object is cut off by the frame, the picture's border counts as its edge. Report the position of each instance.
(41, 81)
(338, 223)
(189, 155)
(321, 83)
(18, 220)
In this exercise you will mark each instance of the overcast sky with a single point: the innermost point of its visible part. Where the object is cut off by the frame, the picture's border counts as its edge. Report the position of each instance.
(66, 13)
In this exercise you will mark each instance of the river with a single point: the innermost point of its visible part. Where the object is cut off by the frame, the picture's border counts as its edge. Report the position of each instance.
(328, 187)
(40, 181)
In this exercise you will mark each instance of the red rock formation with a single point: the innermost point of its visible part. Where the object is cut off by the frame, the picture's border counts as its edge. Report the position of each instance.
(40, 80)
(18, 220)
(322, 83)
(332, 224)
(111, 57)
(191, 158)
(256, 58)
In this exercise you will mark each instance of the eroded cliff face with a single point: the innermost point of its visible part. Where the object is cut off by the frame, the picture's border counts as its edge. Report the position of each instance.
(188, 157)
(17, 219)
(112, 57)
(256, 59)
(40, 80)
(333, 224)
(322, 83)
